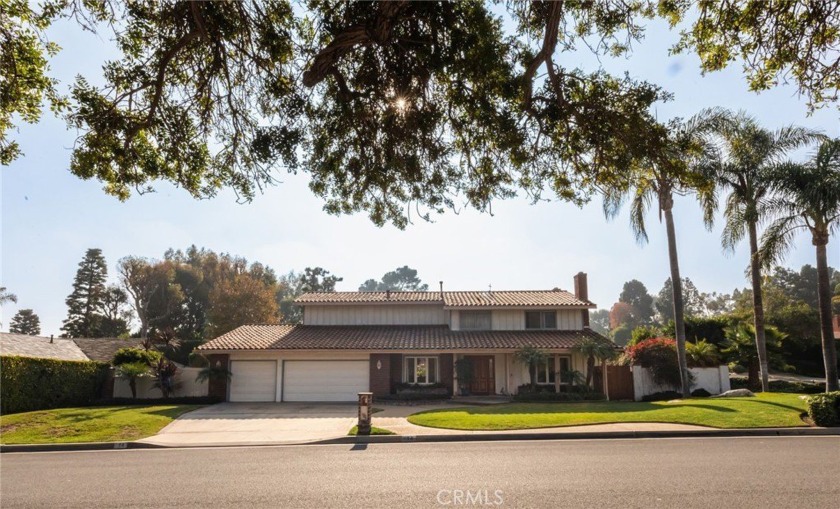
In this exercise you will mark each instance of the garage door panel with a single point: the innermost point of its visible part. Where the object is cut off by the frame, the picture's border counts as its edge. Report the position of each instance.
(324, 380)
(253, 380)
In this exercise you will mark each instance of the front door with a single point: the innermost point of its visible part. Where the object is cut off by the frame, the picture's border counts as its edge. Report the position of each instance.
(484, 381)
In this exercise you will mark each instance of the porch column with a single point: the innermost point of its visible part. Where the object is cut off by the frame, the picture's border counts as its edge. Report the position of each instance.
(556, 373)
(455, 386)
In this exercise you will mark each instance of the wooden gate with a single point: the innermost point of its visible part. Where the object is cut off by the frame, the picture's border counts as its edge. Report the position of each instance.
(619, 380)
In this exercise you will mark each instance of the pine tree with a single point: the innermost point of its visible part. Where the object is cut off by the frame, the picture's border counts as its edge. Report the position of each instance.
(25, 322)
(85, 301)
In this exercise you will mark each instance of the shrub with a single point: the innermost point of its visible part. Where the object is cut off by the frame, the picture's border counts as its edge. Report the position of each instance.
(535, 397)
(135, 355)
(701, 393)
(642, 333)
(824, 409)
(702, 354)
(781, 386)
(28, 384)
(659, 355)
(662, 396)
(734, 367)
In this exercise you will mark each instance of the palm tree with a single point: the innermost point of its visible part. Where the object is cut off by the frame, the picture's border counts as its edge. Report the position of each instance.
(531, 357)
(6, 296)
(749, 151)
(593, 349)
(681, 166)
(809, 199)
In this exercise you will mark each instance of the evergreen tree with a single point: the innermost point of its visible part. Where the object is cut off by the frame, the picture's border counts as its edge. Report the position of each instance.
(25, 322)
(85, 301)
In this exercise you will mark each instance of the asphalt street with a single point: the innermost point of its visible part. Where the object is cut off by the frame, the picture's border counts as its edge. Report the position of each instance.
(706, 472)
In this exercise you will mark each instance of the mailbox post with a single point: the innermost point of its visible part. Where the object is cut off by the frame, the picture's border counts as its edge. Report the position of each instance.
(365, 403)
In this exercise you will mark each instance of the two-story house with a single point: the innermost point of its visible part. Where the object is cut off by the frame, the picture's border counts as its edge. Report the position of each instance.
(351, 342)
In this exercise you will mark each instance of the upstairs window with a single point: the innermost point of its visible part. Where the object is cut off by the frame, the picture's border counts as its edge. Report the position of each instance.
(540, 319)
(475, 320)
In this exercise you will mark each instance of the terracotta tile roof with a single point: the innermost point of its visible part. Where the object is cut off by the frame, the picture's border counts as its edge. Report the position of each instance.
(367, 297)
(533, 298)
(38, 346)
(388, 337)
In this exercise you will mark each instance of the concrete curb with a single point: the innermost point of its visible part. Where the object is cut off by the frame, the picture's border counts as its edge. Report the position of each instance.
(596, 435)
(77, 446)
(472, 437)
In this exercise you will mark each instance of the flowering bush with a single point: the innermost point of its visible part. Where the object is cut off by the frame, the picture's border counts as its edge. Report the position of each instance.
(659, 355)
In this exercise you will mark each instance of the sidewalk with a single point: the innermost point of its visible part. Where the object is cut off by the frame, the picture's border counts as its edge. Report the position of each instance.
(231, 425)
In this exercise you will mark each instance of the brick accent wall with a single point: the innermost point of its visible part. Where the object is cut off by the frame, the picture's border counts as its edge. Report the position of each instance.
(447, 367)
(217, 386)
(396, 369)
(380, 379)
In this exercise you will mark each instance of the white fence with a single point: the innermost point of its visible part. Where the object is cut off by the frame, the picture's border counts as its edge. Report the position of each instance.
(185, 386)
(714, 380)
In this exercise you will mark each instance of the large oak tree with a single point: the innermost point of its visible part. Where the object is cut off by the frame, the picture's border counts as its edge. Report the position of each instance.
(392, 106)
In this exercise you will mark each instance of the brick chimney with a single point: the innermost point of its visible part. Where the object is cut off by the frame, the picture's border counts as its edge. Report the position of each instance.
(582, 293)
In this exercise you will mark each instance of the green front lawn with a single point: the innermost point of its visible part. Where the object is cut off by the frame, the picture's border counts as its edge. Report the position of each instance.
(765, 410)
(89, 424)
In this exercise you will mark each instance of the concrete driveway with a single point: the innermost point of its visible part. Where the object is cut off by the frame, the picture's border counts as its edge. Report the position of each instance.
(258, 423)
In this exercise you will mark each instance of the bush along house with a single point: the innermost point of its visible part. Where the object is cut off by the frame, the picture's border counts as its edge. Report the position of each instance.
(395, 342)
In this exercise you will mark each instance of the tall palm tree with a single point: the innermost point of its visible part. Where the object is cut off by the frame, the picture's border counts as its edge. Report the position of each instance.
(681, 166)
(809, 199)
(749, 151)
(6, 296)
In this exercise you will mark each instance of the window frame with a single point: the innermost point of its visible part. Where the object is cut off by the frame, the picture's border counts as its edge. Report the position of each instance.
(546, 368)
(542, 314)
(487, 313)
(410, 376)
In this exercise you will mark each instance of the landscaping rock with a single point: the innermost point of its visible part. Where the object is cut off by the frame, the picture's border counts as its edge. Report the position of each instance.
(736, 393)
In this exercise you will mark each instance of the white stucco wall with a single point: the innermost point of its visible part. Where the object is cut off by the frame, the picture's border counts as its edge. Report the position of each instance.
(185, 386)
(714, 380)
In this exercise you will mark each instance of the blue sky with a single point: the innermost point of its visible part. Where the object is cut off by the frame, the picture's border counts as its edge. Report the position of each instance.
(49, 217)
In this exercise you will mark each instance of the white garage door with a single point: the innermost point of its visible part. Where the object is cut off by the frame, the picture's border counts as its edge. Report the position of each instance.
(253, 380)
(324, 380)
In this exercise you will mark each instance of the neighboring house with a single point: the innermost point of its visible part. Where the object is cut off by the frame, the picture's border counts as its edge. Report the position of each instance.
(351, 342)
(104, 349)
(40, 347)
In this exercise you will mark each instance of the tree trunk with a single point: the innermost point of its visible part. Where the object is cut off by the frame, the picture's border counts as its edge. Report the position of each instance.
(753, 374)
(532, 371)
(676, 285)
(758, 309)
(824, 293)
(132, 383)
(590, 368)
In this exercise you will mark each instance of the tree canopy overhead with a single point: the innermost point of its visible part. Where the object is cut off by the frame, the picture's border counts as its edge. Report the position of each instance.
(389, 106)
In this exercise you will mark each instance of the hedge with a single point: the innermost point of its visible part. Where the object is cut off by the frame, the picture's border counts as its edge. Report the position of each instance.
(28, 384)
(538, 397)
(824, 409)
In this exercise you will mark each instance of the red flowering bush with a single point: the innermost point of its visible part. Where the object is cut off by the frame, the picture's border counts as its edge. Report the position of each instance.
(659, 355)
